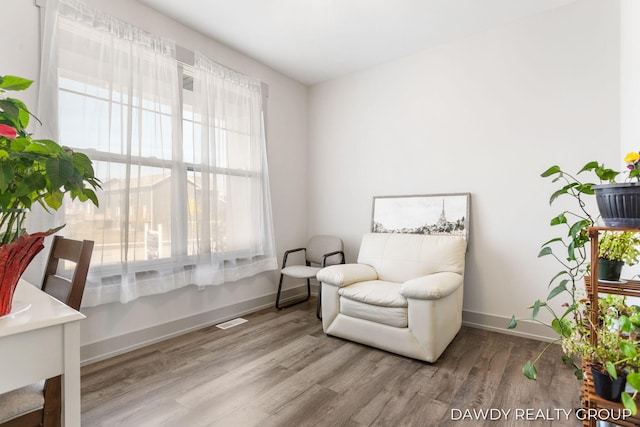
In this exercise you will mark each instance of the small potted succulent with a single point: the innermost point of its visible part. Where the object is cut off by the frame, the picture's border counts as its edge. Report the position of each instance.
(32, 171)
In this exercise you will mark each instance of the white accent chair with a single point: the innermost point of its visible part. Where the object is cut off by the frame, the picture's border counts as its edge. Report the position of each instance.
(404, 294)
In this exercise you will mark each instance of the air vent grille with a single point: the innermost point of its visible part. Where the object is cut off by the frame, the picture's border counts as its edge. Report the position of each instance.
(231, 323)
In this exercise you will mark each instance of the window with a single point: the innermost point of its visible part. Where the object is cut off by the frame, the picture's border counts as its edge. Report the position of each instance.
(180, 151)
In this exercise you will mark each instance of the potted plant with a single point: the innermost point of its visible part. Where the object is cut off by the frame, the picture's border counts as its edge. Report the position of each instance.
(616, 248)
(613, 355)
(32, 171)
(619, 203)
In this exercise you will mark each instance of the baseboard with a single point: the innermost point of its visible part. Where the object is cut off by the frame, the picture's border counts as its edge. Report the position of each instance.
(100, 350)
(526, 328)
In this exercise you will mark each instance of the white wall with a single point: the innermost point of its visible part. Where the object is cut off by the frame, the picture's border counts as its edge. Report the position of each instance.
(485, 115)
(113, 327)
(630, 75)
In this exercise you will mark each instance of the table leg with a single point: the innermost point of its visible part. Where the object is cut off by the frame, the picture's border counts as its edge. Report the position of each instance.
(71, 376)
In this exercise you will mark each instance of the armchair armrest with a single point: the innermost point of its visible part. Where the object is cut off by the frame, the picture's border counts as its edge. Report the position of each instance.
(325, 256)
(345, 274)
(286, 255)
(433, 286)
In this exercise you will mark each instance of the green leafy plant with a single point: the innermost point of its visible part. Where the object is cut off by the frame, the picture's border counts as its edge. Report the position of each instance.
(616, 351)
(569, 249)
(619, 246)
(34, 170)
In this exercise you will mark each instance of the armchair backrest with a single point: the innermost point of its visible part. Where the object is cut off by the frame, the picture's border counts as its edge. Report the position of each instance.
(319, 245)
(400, 257)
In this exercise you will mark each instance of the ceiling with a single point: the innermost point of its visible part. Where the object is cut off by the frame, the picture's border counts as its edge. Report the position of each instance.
(317, 40)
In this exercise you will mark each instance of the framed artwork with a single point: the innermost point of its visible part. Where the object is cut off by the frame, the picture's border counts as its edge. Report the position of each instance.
(439, 214)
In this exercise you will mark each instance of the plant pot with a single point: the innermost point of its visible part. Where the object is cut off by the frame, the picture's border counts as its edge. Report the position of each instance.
(619, 204)
(14, 260)
(609, 270)
(606, 387)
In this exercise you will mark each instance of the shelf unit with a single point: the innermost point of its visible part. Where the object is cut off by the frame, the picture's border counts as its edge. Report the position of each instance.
(590, 401)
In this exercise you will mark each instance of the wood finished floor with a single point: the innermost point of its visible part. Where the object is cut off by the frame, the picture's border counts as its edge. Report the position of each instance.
(280, 369)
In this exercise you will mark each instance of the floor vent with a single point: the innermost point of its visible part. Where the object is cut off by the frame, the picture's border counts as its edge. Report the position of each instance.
(231, 323)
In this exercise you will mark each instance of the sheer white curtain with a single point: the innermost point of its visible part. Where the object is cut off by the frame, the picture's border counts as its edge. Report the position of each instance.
(224, 147)
(171, 213)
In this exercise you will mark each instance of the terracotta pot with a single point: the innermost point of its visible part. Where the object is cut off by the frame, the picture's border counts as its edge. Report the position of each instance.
(14, 260)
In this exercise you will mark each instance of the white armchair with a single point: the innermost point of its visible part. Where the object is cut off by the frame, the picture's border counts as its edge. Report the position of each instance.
(404, 294)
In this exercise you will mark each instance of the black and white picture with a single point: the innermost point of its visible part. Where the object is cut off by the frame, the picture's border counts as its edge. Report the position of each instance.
(444, 214)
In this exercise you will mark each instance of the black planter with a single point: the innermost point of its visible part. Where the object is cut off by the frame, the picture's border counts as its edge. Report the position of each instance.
(606, 387)
(609, 270)
(619, 204)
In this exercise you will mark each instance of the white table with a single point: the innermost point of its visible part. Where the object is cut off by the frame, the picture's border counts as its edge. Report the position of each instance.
(41, 342)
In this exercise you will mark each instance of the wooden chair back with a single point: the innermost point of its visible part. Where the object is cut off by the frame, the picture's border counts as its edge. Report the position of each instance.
(68, 291)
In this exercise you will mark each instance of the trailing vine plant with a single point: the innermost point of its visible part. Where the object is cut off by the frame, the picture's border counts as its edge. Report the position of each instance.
(569, 249)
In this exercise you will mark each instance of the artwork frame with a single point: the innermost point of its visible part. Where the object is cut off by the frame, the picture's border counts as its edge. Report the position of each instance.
(437, 214)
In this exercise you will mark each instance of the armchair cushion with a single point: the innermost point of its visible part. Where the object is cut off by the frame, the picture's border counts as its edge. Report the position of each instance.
(346, 274)
(433, 286)
(375, 292)
(300, 271)
(391, 316)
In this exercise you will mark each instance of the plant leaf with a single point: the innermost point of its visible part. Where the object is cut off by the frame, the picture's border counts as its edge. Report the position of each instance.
(59, 172)
(589, 167)
(611, 369)
(552, 170)
(629, 403)
(625, 323)
(82, 162)
(14, 83)
(530, 371)
(560, 219)
(585, 188)
(6, 176)
(54, 199)
(561, 273)
(562, 327)
(558, 290)
(91, 195)
(536, 309)
(633, 379)
(628, 349)
(10, 110)
(545, 251)
(555, 239)
(577, 227)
